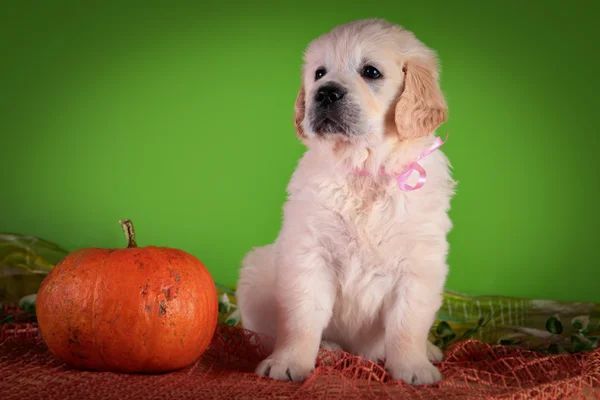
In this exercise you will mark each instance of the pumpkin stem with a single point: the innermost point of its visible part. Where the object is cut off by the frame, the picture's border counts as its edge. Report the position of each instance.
(129, 233)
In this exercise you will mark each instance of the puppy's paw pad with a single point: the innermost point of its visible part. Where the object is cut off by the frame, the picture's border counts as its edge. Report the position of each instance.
(434, 354)
(284, 369)
(330, 346)
(423, 373)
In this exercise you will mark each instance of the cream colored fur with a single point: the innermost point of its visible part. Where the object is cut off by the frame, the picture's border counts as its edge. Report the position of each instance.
(359, 264)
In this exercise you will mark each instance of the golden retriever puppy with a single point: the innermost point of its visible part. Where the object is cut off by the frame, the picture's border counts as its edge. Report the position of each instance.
(360, 261)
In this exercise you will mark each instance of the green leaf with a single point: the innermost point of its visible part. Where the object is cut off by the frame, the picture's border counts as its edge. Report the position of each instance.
(553, 325)
(224, 289)
(578, 344)
(233, 319)
(593, 341)
(224, 303)
(222, 308)
(439, 343)
(30, 309)
(443, 330)
(581, 322)
(27, 303)
(446, 339)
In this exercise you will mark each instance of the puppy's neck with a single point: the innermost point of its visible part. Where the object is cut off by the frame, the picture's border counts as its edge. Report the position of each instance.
(391, 154)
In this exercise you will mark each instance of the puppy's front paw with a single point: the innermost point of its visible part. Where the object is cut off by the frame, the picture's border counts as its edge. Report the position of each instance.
(415, 373)
(434, 354)
(286, 367)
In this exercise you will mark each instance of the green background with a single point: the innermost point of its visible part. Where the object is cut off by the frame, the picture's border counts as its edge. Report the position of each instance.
(179, 116)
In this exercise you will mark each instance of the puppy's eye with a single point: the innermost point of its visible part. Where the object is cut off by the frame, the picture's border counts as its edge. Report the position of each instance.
(371, 72)
(320, 73)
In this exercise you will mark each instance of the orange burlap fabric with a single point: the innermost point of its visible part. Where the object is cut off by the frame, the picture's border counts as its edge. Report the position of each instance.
(471, 369)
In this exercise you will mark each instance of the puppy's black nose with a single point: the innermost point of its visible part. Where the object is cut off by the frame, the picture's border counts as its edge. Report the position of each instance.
(329, 94)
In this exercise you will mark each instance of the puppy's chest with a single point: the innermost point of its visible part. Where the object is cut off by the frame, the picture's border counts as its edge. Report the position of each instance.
(363, 287)
(368, 258)
(366, 213)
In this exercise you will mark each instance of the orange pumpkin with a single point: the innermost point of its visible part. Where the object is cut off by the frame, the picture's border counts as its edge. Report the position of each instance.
(139, 309)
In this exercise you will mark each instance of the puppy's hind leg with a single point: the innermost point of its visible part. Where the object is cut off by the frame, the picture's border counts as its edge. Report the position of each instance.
(256, 292)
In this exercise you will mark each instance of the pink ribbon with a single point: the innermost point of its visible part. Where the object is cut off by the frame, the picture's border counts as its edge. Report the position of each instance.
(414, 167)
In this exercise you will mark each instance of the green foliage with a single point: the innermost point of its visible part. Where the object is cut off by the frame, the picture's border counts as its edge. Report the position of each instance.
(553, 325)
(572, 340)
(28, 256)
(443, 335)
(224, 304)
(27, 304)
(581, 323)
(24, 261)
(579, 344)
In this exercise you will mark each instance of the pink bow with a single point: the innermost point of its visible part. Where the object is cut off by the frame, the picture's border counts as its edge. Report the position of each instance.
(414, 166)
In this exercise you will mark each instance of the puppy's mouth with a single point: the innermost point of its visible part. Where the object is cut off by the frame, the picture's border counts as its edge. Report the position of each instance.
(329, 125)
(335, 121)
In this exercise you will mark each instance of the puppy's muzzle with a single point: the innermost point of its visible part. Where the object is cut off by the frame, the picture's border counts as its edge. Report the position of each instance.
(329, 94)
(332, 112)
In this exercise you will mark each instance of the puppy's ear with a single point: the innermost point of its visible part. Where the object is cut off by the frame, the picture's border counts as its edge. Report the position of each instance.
(421, 108)
(299, 111)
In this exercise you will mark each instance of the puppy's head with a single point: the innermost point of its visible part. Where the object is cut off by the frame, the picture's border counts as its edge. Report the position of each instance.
(366, 81)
